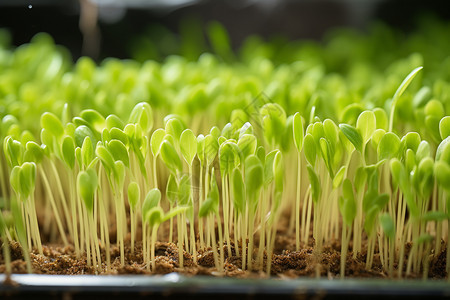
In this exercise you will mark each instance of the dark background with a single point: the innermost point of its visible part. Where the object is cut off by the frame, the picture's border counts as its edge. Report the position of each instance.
(121, 20)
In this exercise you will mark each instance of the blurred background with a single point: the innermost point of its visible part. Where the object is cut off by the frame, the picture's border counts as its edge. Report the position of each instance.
(103, 28)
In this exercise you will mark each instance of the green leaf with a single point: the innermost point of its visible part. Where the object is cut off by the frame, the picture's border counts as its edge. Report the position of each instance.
(188, 146)
(326, 155)
(86, 185)
(339, 177)
(331, 134)
(184, 190)
(142, 114)
(405, 83)
(151, 200)
(315, 185)
(442, 174)
(118, 134)
(33, 152)
(317, 132)
(87, 152)
(442, 150)
(228, 158)
(387, 223)
(105, 156)
(273, 121)
(444, 127)
(94, 119)
(389, 146)
(425, 174)
(26, 137)
(79, 157)
(68, 151)
(174, 211)
(227, 131)
(170, 157)
(261, 154)
(238, 118)
(81, 132)
(247, 144)
(154, 216)
(434, 108)
(156, 141)
(423, 150)
(278, 171)
(14, 179)
(400, 176)
(220, 41)
(221, 140)
(412, 140)
(48, 140)
(287, 139)
(106, 136)
(366, 124)
(133, 194)
(211, 204)
(174, 127)
(215, 132)
(119, 152)
(113, 121)
(422, 97)
(206, 208)
(436, 216)
(298, 131)
(172, 190)
(424, 238)
(376, 137)
(8, 121)
(351, 113)
(201, 148)
(27, 178)
(352, 135)
(13, 151)
(360, 179)
(254, 178)
(211, 148)
(119, 173)
(347, 203)
(381, 118)
(432, 125)
(238, 189)
(370, 220)
(268, 167)
(51, 123)
(247, 128)
(410, 160)
(309, 148)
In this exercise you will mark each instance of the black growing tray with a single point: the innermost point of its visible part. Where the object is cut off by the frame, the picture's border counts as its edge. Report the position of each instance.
(175, 286)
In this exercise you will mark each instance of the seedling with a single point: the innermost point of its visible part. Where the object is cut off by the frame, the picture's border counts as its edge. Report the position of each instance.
(359, 177)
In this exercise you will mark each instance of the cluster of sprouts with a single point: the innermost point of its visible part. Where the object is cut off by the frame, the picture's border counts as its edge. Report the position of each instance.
(116, 168)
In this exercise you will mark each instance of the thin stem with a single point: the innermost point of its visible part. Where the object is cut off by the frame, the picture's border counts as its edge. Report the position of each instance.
(297, 205)
(200, 202)
(219, 229)
(152, 252)
(74, 213)
(180, 242)
(62, 197)
(55, 209)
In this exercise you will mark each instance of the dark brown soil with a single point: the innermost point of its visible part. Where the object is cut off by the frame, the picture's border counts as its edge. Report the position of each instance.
(285, 263)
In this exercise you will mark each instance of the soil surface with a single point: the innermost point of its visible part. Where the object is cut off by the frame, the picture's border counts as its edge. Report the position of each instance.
(286, 263)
